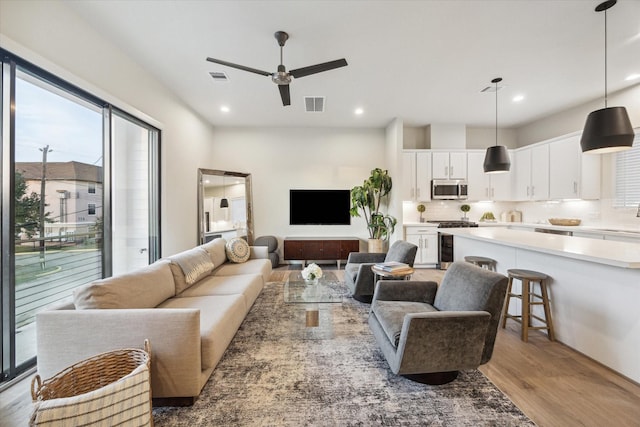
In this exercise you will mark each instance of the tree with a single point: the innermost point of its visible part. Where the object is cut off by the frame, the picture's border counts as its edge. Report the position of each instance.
(27, 209)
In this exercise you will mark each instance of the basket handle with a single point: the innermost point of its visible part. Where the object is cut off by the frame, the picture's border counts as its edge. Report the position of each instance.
(34, 390)
(147, 346)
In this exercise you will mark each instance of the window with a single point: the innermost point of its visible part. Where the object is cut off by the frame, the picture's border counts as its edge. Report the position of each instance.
(61, 224)
(627, 178)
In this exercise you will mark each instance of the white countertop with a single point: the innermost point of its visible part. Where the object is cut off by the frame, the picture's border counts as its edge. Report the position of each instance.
(618, 254)
(614, 230)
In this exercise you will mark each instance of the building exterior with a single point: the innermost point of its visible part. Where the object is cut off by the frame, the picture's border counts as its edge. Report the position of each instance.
(73, 196)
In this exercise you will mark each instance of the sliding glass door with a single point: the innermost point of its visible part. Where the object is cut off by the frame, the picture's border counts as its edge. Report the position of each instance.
(80, 199)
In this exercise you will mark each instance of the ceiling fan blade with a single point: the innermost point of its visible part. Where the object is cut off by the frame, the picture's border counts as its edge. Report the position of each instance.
(318, 68)
(285, 95)
(239, 67)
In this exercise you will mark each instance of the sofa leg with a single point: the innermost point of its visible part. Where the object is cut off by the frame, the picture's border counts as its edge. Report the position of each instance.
(433, 378)
(174, 401)
(363, 298)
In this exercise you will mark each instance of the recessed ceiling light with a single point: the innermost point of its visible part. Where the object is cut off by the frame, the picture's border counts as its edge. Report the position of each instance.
(359, 111)
(633, 76)
(224, 109)
(518, 98)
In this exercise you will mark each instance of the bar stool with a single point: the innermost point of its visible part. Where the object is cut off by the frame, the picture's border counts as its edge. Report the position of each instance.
(481, 261)
(529, 298)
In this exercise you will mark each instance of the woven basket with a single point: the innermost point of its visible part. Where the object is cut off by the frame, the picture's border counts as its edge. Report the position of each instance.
(100, 378)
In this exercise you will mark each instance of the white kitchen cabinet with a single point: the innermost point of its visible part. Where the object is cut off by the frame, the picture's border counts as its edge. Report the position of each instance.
(532, 173)
(426, 239)
(416, 176)
(484, 186)
(449, 164)
(573, 175)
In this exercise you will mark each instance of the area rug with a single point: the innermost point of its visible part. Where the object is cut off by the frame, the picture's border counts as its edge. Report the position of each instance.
(273, 375)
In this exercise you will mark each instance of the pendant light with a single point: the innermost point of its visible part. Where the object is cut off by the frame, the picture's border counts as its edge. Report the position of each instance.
(497, 158)
(224, 203)
(607, 130)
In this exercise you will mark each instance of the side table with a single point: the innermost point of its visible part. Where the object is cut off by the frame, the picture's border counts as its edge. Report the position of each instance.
(404, 274)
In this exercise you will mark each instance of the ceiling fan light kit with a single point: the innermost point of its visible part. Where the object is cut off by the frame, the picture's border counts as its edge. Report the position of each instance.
(496, 159)
(281, 77)
(609, 129)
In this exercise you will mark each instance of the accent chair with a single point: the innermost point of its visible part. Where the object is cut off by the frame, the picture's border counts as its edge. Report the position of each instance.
(428, 333)
(357, 272)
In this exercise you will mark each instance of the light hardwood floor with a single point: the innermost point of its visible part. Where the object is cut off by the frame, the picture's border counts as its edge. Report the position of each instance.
(551, 383)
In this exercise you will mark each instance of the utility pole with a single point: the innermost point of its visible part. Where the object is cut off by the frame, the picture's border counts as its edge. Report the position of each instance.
(44, 150)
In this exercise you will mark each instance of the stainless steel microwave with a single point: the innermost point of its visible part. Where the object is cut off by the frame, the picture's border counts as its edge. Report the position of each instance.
(444, 189)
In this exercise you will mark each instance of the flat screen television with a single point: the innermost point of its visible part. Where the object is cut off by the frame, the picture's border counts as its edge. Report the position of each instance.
(319, 207)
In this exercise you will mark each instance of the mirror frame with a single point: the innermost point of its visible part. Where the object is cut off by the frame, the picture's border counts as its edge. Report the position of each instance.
(248, 198)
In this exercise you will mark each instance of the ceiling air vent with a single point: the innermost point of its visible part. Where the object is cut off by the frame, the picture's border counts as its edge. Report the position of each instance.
(219, 76)
(314, 104)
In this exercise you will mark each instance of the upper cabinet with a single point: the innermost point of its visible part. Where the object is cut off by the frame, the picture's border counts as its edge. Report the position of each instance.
(449, 164)
(531, 173)
(573, 175)
(416, 176)
(484, 186)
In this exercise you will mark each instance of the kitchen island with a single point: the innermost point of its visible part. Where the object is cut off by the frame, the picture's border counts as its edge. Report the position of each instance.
(594, 287)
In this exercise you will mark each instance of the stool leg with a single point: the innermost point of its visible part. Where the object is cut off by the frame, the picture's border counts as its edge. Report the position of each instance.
(505, 309)
(525, 310)
(547, 310)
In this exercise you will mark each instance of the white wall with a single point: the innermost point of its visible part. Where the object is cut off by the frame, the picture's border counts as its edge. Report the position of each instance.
(52, 36)
(573, 119)
(280, 159)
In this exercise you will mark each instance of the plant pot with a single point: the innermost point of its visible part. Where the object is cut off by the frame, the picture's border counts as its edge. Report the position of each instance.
(376, 245)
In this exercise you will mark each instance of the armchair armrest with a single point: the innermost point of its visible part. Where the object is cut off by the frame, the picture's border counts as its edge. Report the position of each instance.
(362, 257)
(442, 341)
(405, 290)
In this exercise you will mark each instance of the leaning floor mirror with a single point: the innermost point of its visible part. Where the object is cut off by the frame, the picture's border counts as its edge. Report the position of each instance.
(224, 205)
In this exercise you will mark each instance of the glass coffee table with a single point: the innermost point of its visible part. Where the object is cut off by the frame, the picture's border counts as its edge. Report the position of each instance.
(312, 304)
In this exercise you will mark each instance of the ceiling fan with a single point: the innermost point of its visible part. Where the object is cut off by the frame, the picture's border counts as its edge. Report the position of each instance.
(281, 77)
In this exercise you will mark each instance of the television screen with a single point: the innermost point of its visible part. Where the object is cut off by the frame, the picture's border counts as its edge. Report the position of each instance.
(319, 207)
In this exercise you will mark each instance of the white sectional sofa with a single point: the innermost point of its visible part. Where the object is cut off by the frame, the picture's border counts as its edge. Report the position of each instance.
(189, 306)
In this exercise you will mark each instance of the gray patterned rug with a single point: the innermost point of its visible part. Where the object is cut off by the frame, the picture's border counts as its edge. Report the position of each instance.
(272, 374)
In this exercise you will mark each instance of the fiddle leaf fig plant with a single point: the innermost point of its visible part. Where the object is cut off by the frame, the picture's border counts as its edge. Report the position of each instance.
(368, 197)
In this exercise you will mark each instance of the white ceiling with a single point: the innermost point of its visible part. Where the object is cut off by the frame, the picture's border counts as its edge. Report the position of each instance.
(422, 61)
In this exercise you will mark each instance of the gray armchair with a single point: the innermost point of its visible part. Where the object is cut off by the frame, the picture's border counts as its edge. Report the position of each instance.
(357, 272)
(428, 333)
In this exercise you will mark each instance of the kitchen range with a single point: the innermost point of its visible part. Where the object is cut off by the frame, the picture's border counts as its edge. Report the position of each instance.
(445, 240)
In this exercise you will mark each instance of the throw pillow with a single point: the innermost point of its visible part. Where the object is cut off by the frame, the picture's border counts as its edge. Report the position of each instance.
(190, 266)
(238, 250)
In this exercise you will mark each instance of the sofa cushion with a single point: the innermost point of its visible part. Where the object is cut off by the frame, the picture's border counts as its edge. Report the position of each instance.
(146, 287)
(217, 251)
(253, 266)
(390, 315)
(190, 266)
(237, 250)
(220, 318)
(249, 285)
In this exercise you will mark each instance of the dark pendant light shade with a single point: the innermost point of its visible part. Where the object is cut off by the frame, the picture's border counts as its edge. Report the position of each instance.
(224, 203)
(607, 130)
(496, 160)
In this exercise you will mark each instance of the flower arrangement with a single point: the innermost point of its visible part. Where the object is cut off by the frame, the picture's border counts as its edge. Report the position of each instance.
(312, 272)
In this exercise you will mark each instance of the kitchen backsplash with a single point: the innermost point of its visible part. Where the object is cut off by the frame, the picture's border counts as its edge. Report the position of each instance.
(593, 213)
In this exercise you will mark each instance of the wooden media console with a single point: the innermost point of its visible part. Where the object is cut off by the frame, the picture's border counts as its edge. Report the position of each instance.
(319, 248)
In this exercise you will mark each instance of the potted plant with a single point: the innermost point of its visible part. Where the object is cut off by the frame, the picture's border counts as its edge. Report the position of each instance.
(421, 208)
(368, 198)
(465, 208)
